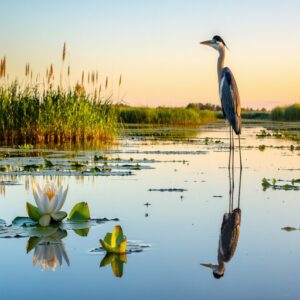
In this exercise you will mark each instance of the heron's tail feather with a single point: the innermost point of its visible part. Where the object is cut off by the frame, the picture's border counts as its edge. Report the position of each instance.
(236, 124)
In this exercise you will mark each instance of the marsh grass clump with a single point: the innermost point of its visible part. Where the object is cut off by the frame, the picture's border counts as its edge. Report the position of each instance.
(165, 115)
(288, 113)
(29, 115)
(47, 110)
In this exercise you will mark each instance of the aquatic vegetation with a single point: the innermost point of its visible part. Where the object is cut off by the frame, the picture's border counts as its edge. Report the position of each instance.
(35, 116)
(80, 212)
(49, 198)
(288, 228)
(32, 167)
(168, 190)
(115, 242)
(288, 113)
(261, 147)
(48, 163)
(266, 183)
(263, 133)
(165, 115)
(100, 157)
(77, 165)
(26, 146)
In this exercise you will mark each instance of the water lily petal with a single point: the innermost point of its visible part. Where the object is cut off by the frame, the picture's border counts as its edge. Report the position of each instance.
(45, 203)
(57, 199)
(37, 194)
(45, 220)
(63, 199)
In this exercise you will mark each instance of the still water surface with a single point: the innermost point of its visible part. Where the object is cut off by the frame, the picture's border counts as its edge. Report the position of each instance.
(183, 228)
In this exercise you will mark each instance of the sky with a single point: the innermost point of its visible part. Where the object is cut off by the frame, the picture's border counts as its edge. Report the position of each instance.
(154, 44)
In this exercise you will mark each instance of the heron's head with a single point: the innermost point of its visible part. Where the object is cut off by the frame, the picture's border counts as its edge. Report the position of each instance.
(217, 270)
(217, 43)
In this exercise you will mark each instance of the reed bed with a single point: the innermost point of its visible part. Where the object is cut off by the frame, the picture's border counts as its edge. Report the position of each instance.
(53, 115)
(42, 109)
(288, 113)
(165, 115)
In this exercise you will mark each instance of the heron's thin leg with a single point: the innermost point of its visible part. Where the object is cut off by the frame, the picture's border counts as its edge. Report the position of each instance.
(230, 192)
(232, 180)
(241, 165)
(240, 183)
(229, 147)
(232, 134)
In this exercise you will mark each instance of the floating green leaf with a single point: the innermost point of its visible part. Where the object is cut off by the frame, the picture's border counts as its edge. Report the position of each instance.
(33, 212)
(48, 163)
(115, 242)
(80, 212)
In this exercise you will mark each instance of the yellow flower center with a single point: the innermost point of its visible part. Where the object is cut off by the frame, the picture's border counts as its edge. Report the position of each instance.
(50, 193)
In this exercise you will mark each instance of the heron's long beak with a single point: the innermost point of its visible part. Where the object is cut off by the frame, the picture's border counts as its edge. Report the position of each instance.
(210, 266)
(207, 43)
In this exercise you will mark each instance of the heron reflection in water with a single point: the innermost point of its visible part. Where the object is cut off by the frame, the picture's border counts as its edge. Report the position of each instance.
(230, 230)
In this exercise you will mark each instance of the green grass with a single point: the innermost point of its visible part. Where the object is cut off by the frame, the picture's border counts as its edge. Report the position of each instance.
(29, 115)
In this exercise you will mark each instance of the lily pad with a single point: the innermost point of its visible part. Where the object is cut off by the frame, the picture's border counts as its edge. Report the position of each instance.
(288, 228)
(132, 247)
(24, 221)
(168, 190)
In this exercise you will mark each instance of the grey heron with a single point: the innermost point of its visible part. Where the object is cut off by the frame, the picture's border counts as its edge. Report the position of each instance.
(229, 94)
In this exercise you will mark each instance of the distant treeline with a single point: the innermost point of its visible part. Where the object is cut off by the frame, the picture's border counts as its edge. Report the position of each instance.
(288, 113)
(199, 113)
(192, 114)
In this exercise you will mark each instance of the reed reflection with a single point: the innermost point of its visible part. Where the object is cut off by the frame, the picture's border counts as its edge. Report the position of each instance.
(230, 229)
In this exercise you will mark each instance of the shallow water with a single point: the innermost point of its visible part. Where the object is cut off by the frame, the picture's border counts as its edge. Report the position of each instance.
(182, 227)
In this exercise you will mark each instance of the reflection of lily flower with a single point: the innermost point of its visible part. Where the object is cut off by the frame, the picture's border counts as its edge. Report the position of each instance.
(49, 251)
(116, 260)
(50, 198)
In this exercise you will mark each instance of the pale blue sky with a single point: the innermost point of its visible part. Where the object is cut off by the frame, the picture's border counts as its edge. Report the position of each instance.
(155, 45)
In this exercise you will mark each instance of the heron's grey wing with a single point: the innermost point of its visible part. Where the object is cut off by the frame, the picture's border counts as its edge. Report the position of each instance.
(230, 231)
(230, 100)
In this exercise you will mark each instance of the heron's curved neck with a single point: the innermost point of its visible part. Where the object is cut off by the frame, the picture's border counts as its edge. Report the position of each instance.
(220, 66)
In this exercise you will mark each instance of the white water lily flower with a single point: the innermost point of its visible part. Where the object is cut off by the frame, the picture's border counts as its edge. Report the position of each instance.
(49, 199)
